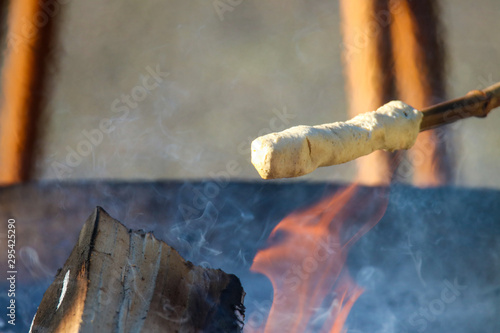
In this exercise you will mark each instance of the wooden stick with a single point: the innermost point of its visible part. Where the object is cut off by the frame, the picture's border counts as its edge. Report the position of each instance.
(477, 103)
(117, 280)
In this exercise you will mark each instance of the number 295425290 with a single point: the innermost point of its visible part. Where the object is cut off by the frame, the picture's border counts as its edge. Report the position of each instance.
(11, 244)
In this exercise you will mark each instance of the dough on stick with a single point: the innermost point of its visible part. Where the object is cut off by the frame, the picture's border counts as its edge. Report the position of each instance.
(302, 149)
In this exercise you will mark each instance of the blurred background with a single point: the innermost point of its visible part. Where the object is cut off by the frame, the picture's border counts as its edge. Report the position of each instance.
(227, 72)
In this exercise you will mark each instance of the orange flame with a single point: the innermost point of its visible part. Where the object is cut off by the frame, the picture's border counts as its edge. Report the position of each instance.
(305, 259)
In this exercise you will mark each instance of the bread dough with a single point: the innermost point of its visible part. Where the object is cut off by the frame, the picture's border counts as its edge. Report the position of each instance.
(300, 150)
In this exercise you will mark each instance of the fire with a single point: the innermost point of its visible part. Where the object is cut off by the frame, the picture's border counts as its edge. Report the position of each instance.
(305, 258)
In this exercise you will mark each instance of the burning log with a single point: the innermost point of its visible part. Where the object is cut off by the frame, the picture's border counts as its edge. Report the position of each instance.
(302, 149)
(118, 280)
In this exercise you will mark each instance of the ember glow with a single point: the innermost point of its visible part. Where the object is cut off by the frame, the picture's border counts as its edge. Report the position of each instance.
(305, 261)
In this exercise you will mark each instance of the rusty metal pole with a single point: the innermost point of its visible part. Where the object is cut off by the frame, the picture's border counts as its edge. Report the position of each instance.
(369, 81)
(419, 61)
(30, 24)
(397, 42)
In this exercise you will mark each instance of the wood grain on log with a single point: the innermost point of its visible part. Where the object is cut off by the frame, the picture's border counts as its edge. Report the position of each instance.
(117, 280)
